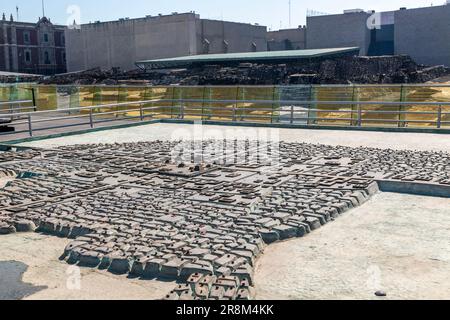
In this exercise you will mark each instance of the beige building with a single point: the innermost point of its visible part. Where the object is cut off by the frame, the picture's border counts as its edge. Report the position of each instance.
(121, 43)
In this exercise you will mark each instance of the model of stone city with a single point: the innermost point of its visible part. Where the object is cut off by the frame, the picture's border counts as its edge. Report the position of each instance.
(149, 211)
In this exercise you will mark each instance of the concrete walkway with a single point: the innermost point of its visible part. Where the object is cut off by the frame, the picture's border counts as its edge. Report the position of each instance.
(66, 125)
(165, 131)
(395, 243)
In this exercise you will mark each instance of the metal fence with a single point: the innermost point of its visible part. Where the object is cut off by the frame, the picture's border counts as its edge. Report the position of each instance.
(292, 112)
(405, 106)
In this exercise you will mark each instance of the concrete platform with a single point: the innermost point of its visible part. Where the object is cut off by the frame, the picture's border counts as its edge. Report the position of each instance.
(65, 126)
(58, 280)
(395, 243)
(164, 131)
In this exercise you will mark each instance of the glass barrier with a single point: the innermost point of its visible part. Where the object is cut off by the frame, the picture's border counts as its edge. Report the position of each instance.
(334, 114)
(254, 111)
(241, 103)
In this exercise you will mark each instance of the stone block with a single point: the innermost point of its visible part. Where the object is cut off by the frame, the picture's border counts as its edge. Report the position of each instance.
(25, 226)
(120, 265)
(269, 236)
(286, 232)
(153, 267)
(172, 268)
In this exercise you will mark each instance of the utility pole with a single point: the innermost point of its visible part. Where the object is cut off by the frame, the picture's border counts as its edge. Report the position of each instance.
(290, 14)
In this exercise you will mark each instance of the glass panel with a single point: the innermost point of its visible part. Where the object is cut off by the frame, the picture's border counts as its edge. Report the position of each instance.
(380, 114)
(46, 98)
(427, 113)
(163, 106)
(334, 114)
(224, 110)
(192, 110)
(252, 110)
(300, 111)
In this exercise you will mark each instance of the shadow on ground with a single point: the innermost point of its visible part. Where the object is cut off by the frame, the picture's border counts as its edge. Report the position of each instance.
(11, 284)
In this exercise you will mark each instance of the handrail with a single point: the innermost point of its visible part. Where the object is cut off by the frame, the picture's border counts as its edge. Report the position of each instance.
(8, 103)
(285, 110)
(81, 108)
(288, 103)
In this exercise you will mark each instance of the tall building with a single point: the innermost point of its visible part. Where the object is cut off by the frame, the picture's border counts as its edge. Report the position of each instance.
(422, 33)
(37, 48)
(287, 39)
(121, 43)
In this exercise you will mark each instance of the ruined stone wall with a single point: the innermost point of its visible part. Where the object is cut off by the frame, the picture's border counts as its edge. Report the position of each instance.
(363, 70)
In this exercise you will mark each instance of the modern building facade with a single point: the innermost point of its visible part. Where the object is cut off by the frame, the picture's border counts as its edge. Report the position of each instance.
(37, 48)
(287, 39)
(340, 30)
(121, 43)
(422, 33)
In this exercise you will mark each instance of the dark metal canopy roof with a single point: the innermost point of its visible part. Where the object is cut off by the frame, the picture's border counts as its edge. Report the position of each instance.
(244, 57)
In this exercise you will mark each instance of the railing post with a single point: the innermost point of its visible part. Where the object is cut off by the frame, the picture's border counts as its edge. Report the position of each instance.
(439, 119)
(182, 111)
(273, 103)
(30, 127)
(141, 112)
(292, 114)
(33, 95)
(401, 122)
(359, 116)
(91, 119)
(308, 114)
(234, 112)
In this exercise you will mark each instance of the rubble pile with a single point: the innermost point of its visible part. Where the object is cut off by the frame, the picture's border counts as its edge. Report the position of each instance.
(361, 70)
(14, 78)
(149, 210)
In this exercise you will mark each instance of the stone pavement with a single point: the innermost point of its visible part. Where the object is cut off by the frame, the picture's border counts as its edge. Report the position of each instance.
(199, 213)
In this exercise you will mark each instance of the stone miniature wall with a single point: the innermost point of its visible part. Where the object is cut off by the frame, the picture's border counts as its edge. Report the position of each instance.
(132, 209)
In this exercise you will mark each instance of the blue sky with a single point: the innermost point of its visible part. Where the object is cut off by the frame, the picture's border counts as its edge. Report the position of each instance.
(272, 13)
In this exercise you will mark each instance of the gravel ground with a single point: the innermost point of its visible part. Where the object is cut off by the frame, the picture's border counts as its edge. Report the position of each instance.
(394, 243)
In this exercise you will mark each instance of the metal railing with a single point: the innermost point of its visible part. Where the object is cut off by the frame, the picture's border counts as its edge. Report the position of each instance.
(280, 111)
(13, 107)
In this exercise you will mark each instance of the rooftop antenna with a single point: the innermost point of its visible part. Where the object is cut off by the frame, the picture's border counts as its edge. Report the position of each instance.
(17, 12)
(43, 8)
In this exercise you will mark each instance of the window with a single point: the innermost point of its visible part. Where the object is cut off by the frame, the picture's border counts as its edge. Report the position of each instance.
(63, 54)
(63, 39)
(27, 56)
(26, 37)
(46, 57)
(45, 37)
